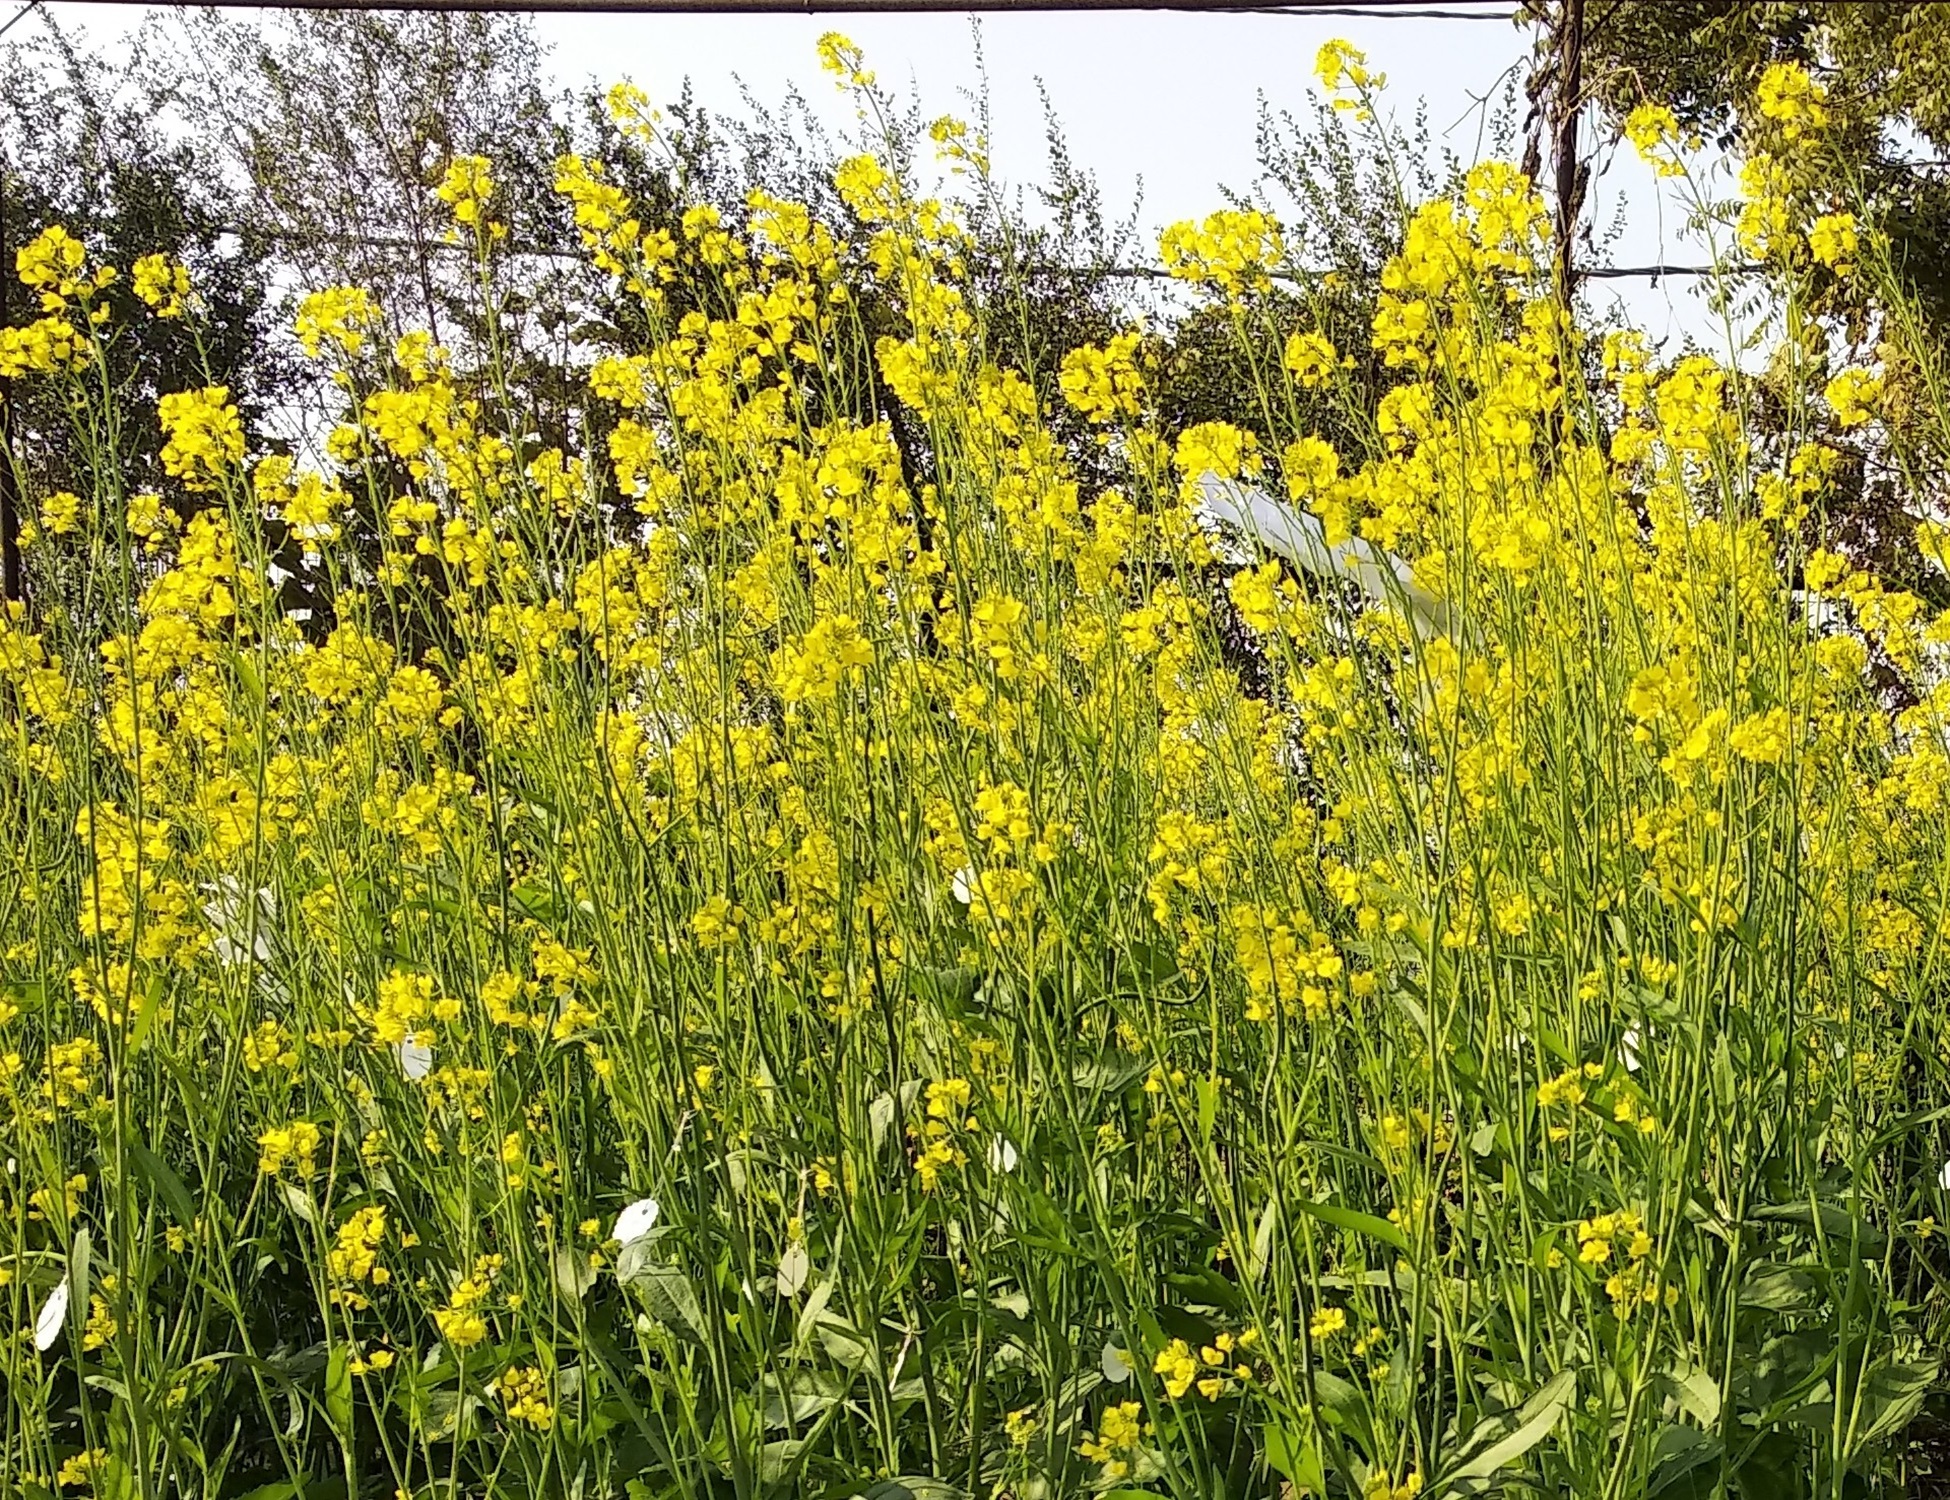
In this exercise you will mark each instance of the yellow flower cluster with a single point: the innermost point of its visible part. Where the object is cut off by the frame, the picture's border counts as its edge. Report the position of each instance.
(203, 436)
(294, 1146)
(1117, 1441)
(1236, 250)
(163, 284)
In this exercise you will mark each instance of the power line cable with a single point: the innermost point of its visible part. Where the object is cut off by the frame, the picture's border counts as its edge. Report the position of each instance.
(1371, 9)
(20, 15)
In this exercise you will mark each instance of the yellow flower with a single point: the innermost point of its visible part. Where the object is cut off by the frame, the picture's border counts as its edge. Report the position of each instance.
(205, 436)
(1120, 1433)
(843, 58)
(342, 316)
(1380, 1486)
(60, 513)
(1103, 384)
(295, 1145)
(163, 284)
(1832, 241)
(1653, 130)
(524, 1393)
(815, 666)
(467, 188)
(1178, 1367)
(1310, 359)
(1853, 396)
(1792, 99)
(1340, 66)
(1235, 250)
(52, 264)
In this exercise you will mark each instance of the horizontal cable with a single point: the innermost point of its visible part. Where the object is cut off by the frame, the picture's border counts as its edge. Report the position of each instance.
(1374, 9)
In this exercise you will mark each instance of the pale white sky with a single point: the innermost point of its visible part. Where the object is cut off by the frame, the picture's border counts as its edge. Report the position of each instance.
(1168, 100)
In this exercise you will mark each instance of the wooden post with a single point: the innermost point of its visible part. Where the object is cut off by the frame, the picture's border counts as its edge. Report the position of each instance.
(1568, 101)
(12, 587)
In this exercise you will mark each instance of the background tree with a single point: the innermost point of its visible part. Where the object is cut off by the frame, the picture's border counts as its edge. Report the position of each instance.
(1885, 68)
(80, 148)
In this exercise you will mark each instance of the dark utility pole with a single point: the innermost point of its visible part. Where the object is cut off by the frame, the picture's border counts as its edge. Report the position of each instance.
(1568, 102)
(11, 587)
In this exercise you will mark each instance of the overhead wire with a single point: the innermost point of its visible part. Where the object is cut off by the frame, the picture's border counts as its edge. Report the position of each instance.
(20, 15)
(1456, 10)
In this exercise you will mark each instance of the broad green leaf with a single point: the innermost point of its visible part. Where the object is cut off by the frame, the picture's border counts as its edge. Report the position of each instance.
(1776, 1288)
(163, 1178)
(1297, 1458)
(1341, 1405)
(1353, 1219)
(914, 1489)
(283, 1489)
(1839, 1225)
(668, 1296)
(845, 1345)
(1534, 1423)
(1697, 1392)
(299, 1202)
(1207, 1090)
(1269, 1220)
(574, 1276)
(1678, 1453)
(1891, 1397)
(338, 1391)
(794, 1401)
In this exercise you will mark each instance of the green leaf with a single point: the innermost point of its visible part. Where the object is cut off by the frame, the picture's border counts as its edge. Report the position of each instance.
(795, 1400)
(953, 990)
(1342, 1406)
(1269, 1221)
(1776, 1288)
(162, 1177)
(247, 677)
(1355, 1220)
(1679, 1453)
(668, 1296)
(1697, 1392)
(145, 1020)
(81, 1252)
(1839, 1225)
(1891, 1397)
(338, 1392)
(845, 1345)
(1296, 1458)
(1534, 1423)
(574, 1276)
(283, 1489)
(1207, 1090)
(299, 1202)
(1205, 1288)
(914, 1489)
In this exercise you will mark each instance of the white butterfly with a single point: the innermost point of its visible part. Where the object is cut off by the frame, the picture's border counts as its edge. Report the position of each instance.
(635, 1221)
(54, 1313)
